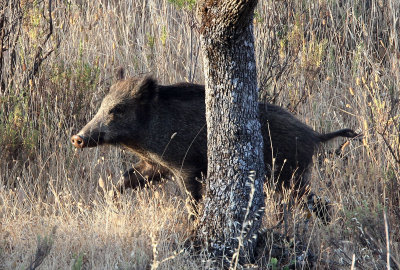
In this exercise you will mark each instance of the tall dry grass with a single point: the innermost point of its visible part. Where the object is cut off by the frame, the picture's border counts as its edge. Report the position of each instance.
(334, 64)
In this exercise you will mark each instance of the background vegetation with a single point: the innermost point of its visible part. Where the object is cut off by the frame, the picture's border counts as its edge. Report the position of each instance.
(334, 64)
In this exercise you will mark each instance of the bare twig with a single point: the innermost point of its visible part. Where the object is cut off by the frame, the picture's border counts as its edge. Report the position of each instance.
(397, 159)
(387, 241)
(353, 262)
(42, 251)
(10, 30)
(39, 56)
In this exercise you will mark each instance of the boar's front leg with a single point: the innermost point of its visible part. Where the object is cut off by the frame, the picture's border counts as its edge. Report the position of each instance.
(142, 173)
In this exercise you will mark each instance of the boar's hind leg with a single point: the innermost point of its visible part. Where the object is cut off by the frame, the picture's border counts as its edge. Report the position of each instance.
(313, 204)
(321, 207)
(142, 173)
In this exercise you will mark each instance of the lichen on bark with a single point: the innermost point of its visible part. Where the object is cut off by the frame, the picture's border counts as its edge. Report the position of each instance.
(233, 199)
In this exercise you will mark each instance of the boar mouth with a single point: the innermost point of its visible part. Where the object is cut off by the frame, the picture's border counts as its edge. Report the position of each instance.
(82, 141)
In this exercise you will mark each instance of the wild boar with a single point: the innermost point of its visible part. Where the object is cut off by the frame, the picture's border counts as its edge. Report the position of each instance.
(165, 126)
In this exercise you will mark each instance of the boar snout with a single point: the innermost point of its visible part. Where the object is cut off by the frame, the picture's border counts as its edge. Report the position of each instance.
(78, 141)
(83, 141)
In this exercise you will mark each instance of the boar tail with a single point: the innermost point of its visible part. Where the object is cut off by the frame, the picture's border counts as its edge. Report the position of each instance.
(348, 133)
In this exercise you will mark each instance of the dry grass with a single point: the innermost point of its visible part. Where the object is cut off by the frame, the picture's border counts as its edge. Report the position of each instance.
(334, 65)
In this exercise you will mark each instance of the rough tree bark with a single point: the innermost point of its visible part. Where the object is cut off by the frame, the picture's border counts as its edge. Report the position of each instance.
(234, 199)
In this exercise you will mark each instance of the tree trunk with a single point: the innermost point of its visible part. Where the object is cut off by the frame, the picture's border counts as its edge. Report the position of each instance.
(233, 199)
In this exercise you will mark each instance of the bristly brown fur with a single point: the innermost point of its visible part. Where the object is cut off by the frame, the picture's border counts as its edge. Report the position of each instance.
(165, 126)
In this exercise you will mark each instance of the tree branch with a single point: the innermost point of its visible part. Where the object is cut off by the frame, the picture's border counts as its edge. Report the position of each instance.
(39, 56)
(224, 20)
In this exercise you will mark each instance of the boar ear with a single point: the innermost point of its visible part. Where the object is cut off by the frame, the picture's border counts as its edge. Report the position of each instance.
(146, 88)
(120, 73)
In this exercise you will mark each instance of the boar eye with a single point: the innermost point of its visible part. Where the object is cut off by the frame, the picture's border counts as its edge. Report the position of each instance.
(116, 110)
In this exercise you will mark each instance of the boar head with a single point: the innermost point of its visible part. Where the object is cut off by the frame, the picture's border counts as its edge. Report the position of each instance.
(122, 115)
